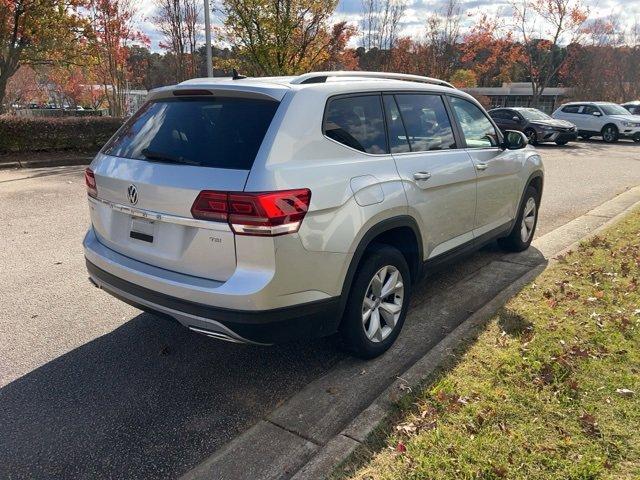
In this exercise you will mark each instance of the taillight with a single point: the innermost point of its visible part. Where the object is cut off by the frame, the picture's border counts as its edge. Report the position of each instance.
(264, 213)
(90, 181)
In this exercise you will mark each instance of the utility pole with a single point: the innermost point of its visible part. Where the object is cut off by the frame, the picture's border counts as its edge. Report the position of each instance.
(207, 38)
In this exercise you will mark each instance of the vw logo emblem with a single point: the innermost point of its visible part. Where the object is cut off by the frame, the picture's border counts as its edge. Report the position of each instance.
(132, 194)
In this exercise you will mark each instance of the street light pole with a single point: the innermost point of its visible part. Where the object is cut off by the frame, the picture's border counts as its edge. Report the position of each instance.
(207, 38)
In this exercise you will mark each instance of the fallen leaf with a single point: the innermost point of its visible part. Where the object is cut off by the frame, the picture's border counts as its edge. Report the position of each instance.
(625, 392)
(401, 447)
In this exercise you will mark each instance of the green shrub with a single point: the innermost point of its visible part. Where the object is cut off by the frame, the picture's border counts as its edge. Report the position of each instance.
(71, 133)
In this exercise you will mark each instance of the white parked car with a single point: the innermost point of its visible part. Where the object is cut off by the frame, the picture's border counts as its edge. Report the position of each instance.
(600, 119)
(265, 209)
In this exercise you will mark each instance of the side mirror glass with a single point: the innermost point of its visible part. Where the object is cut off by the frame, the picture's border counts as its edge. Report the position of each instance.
(514, 140)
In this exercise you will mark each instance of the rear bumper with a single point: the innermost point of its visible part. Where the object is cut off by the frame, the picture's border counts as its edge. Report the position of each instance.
(313, 319)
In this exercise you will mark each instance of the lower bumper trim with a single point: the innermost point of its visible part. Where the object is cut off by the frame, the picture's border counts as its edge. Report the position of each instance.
(314, 319)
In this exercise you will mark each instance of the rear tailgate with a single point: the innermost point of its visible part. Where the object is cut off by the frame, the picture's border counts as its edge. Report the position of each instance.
(149, 175)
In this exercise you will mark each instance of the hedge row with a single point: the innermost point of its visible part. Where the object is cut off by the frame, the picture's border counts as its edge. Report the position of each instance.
(71, 133)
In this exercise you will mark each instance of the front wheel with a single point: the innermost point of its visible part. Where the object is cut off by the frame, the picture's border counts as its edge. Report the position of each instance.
(531, 136)
(610, 134)
(522, 233)
(378, 302)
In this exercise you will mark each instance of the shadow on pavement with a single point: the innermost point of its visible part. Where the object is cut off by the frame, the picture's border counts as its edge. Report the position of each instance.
(148, 400)
(151, 399)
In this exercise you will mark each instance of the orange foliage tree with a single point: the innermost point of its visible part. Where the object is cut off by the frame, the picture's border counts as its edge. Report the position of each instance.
(544, 26)
(38, 32)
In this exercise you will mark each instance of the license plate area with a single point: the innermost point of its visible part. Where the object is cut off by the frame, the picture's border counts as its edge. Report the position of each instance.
(142, 229)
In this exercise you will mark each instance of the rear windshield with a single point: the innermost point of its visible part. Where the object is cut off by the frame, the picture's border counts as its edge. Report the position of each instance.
(209, 132)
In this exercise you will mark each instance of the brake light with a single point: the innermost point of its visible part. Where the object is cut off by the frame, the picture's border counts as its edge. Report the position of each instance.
(264, 213)
(90, 182)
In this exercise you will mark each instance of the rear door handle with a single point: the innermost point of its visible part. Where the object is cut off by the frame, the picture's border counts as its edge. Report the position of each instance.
(482, 166)
(421, 176)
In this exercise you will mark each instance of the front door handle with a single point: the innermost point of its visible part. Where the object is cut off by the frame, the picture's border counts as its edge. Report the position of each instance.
(422, 176)
(482, 166)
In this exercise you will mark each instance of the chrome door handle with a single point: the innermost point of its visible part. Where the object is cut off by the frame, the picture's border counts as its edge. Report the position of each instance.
(422, 176)
(482, 166)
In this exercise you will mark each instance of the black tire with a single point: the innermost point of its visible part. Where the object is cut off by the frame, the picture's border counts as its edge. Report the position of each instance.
(610, 134)
(514, 242)
(352, 328)
(585, 137)
(531, 136)
(562, 142)
(636, 138)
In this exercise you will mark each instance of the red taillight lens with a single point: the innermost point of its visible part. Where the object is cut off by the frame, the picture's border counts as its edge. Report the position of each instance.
(265, 213)
(210, 206)
(90, 182)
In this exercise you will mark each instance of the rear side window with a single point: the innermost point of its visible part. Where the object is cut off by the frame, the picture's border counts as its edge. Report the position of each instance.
(477, 129)
(571, 109)
(426, 122)
(589, 110)
(214, 132)
(356, 122)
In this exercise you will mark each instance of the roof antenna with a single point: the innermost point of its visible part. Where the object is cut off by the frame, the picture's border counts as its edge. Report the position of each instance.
(236, 75)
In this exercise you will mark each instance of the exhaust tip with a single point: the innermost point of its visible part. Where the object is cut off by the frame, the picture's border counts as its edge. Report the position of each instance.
(217, 335)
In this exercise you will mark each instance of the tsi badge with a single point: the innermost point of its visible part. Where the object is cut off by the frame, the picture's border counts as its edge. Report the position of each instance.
(132, 194)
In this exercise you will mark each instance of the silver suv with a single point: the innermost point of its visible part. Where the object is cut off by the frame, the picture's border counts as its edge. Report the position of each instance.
(266, 209)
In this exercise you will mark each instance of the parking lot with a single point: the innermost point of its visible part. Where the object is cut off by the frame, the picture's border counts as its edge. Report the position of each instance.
(90, 387)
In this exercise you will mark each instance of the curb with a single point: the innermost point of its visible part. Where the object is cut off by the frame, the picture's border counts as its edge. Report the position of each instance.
(321, 426)
(63, 162)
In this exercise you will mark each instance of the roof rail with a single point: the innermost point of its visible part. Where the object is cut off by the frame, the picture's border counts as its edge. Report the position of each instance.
(321, 77)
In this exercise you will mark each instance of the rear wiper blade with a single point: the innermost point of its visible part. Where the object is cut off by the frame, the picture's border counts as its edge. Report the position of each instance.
(163, 157)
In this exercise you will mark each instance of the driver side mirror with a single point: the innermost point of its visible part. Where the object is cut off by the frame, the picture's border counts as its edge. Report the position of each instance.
(597, 114)
(514, 140)
(516, 119)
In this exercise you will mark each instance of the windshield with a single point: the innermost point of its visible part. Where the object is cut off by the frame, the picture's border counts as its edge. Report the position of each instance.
(209, 132)
(613, 109)
(532, 114)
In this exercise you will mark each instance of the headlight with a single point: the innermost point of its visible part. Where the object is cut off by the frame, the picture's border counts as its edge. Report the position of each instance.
(630, 124)
(548, 127)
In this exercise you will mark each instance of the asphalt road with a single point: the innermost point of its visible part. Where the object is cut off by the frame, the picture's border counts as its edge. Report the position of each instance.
(90, 387)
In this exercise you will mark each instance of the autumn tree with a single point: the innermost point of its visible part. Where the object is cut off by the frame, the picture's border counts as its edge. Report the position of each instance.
(442, 38)
(339, 56)
(544, 27)
(24, 87)
(113, 30)
(179, 23)
(277, 37)
(380, 20)
(490, 52)
(38, 32)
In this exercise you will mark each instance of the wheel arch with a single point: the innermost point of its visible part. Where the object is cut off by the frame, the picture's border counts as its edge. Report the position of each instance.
(394, 232)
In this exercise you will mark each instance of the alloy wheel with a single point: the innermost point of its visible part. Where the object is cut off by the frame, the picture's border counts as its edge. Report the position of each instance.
(382, 304)
(609, 134)
(528, 220)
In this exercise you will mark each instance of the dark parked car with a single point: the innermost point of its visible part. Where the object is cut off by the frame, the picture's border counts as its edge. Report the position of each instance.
(633, 107)
(536, 125)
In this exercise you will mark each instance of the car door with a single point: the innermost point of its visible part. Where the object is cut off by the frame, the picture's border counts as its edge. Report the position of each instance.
(497, 169)
(592, 118)
(438, 176)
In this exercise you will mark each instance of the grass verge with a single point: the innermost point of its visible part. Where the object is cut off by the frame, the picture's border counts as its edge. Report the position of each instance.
(550, 390)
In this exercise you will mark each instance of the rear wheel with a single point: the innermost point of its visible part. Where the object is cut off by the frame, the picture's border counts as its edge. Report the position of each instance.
(562, 142)
(610, 134)
(636, 138)
(522, 233)
(378, 302)
(585, 137)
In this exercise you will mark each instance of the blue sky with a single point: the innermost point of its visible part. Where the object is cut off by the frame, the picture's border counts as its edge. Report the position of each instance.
(418, 10)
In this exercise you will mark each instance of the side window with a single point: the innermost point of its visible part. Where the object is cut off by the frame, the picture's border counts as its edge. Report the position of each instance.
(426, 122)
(500, 115)
(477, 129)
(571, 109)
(589, 110)
(398, 140)
(356, 122)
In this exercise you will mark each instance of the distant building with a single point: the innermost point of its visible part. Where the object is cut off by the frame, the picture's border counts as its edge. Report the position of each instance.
(520, 95)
